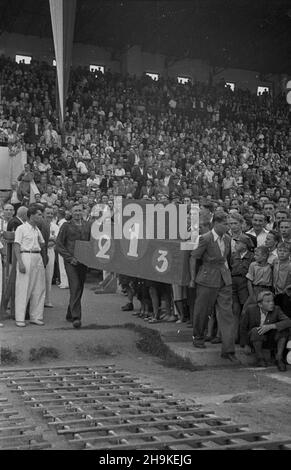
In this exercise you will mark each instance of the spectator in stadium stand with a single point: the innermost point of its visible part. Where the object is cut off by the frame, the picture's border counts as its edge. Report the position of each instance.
(285, 230)
(8, 213)
(75, 229)
(214, 286)
(269, 211)
(25, 178)
(272, 240)
(258, 230)
(282, 268)
(280, 215)
(240, 262)
(53, 230)
(12, 197)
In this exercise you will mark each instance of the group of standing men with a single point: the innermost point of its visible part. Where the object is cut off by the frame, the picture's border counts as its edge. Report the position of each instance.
(36, 239)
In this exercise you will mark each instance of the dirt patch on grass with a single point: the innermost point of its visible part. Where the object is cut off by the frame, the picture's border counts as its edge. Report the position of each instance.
(150, 342)
(97, 351)
(43, 353)
(242, 398)
(7, 356)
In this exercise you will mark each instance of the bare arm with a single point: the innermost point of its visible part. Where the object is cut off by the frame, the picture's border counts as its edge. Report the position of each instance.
(19, 258)
(250, 288)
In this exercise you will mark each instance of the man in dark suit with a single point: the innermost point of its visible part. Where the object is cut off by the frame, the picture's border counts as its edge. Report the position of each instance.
(147, 190)
(265, 324)
(214, 286)
(34, 131)
(106, 182)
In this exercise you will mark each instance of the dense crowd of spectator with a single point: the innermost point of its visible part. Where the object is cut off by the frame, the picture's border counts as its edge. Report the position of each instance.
(137, 138)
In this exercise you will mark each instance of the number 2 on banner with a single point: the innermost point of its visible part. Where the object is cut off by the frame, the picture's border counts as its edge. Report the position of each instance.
(103, 249)
(162, 258)
(133, 241)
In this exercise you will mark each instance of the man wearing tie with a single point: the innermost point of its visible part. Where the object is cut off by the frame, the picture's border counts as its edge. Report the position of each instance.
(214, 289)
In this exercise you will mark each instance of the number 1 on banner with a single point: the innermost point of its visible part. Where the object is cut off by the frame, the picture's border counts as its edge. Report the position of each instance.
(133, 241)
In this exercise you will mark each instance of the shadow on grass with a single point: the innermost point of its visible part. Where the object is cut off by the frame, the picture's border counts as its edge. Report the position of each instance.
(150, 342)
(9, 357)
(42, 353)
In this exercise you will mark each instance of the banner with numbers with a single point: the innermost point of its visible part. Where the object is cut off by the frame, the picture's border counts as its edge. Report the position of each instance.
(141, 239)
(156, 260)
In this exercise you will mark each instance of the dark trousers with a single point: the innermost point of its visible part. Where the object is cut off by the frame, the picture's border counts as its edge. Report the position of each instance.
(207, 299)
(76, 277)
(269, 340)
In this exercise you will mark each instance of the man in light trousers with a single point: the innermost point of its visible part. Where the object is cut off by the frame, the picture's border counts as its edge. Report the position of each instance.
(30, 271)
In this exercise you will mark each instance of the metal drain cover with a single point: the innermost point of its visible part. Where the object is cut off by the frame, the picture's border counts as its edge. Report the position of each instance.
(102, 407)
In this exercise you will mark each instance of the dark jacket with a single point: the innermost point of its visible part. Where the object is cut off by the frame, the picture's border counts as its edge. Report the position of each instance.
(213, 269)
(67, 237)
(252, 319)
(240, 266)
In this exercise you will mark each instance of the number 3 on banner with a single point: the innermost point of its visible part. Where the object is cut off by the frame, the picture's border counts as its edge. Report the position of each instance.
(164, 260)
(103, 249)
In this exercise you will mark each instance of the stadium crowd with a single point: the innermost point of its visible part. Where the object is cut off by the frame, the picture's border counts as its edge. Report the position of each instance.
(229, 151)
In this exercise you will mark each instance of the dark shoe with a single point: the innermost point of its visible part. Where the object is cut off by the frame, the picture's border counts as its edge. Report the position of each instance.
(231, 357)
(69, 319)
(281, 366)
(216, 340)
(127, 308)
(208, 339)
(77, 324)
(261, 363)
(199, 343)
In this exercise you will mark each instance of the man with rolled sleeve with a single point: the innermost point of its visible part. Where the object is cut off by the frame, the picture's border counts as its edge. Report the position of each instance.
(214, 286)
(30, 271)
(70, 232)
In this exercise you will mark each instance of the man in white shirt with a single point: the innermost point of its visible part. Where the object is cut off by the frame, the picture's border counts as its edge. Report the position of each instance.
(49, 197)
(93, 180)
(30, 271)
(258, 230)
(82, 168)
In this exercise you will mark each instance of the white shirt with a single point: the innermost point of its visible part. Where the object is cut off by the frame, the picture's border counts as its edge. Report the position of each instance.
(54, 230)
(28, 237)
(82, 168)
(61, 222)
(119, 172)
(261, 238)
(263, 317)
(221, 244)
(3, 225)
(95, 181)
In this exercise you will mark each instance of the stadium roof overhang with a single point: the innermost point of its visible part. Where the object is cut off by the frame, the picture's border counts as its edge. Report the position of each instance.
(248, 34)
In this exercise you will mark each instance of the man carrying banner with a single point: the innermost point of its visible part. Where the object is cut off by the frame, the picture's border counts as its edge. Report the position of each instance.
(214, 286)
(70, 232)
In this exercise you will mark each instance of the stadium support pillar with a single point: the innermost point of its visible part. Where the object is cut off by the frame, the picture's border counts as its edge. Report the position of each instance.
(63, 14)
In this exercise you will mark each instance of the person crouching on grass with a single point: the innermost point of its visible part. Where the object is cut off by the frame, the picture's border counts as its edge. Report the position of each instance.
(264, 324)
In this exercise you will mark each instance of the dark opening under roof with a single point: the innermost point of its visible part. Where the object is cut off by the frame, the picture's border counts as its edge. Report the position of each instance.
(250, 34)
